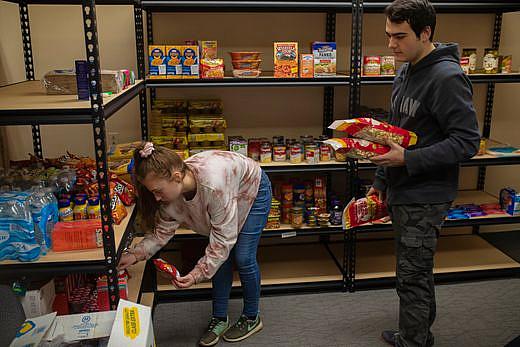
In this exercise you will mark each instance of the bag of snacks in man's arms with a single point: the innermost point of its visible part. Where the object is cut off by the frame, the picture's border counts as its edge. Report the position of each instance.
(355, 148)
(373, 130)
(364, 210)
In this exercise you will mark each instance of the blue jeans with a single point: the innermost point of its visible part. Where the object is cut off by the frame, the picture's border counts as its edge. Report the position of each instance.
(244, 255)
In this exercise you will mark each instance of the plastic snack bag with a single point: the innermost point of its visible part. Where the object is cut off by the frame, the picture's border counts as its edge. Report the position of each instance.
(356, 148)
(364, 210)
(373, 130)
(166, 268)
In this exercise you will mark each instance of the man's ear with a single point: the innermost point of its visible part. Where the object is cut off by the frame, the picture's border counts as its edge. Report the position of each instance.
(425, 34)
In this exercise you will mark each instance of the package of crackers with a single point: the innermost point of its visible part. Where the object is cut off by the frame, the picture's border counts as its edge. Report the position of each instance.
(355, 148)
(364, 210)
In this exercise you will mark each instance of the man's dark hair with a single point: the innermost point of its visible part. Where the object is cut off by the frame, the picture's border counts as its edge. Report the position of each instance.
(418, 13)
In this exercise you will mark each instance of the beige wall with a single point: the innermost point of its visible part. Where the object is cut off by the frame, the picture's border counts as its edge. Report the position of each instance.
(57, 36)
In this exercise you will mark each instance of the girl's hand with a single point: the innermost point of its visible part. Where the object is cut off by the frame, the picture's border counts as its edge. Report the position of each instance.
(184, 282)
(126, 260)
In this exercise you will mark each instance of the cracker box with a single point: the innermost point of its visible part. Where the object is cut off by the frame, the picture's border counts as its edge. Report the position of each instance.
(324, 58)
(173, 61)
(157, 61)
(208, 49)
(306, 65)
(285, 59)
(510, 201)
(190, 61)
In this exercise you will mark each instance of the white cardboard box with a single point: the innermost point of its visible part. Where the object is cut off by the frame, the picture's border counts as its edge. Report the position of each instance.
(82, 326)
(32, 331)
(39, 302)
(132, 326)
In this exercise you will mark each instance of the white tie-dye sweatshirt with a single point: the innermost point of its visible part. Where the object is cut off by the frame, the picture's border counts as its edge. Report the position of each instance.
(227, 185)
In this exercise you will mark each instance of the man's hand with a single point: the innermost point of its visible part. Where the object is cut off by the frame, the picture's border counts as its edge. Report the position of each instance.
(395, 157)
(374, 191)
(184, 282)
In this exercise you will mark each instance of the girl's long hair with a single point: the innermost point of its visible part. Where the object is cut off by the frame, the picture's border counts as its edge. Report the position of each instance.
(162, 162)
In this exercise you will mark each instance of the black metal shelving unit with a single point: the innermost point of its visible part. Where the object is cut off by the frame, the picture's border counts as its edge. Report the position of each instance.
(20, 105)
(328, 8)
(492, 7)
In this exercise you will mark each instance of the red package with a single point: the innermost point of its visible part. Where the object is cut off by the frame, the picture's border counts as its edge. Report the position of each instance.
(165, 267)
(124, 190)
(373, 130)
(364, 210)
(356, 148)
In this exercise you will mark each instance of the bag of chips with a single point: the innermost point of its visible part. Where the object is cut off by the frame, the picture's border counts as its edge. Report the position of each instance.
(364, 210)
(373, 130)
(166, 268)
(356, 148)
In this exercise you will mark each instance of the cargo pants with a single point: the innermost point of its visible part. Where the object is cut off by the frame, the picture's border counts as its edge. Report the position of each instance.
(417, 228)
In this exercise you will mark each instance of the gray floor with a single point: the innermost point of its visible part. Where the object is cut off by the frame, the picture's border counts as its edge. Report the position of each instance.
(483, 314)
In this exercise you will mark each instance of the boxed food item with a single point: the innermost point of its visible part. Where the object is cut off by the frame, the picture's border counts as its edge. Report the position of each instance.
(212, 68)
(190, 61)
(206, 140)
(63, 82)
(285, 59)
(132, 326)
(510, 201)
(362, 211)
(205, 107)
(238, 144)
(356, 148)
(157, 61)
(387, 65)
(324, 58)
(374, 130)
(173, 61)
(306, 65)
(170, 106)
(207, 124)
(38, 301)
(208, 49)
(178, 141)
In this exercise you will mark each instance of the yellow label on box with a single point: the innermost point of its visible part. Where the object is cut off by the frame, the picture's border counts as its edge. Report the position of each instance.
(131, 322)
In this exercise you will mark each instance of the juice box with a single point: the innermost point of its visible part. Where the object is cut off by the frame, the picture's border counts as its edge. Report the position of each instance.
(306, 65)
(324, 58)
(173, 61)
(208, 49)
(285, 59)
(190, 61)
(157, 61)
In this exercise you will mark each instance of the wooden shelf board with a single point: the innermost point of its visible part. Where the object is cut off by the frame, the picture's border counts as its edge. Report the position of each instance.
(80, 256)
(288, 163)
(376, 259)
(283, 227)
(147, 299)
(282, 265)
(31, 95)
(136, 273)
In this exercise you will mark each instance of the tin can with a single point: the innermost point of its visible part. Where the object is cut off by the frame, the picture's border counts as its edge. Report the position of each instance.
(372, 65)
(311, 154)
(288, 145)
(265, 152)
(464, 64)
(279, 152)
(296, 153)
(306, 139)
(296, 217)
(471, 55)
(277, 140)
(490, 63)
(387, 65)
(506, 65)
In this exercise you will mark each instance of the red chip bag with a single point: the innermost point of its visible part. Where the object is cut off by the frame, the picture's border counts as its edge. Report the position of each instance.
(165, 267)
(121, 189)
(356, 148)
(363, 211)
(118, 209)
(373, 130)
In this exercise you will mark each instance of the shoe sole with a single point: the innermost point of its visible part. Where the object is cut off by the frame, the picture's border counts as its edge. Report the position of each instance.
(215, 341)
(255, 330)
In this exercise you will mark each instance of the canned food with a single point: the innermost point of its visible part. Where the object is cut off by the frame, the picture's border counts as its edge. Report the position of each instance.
(388, 65)
(279, 153)
(311, 154)
(278, 140)
(471, 55)
(296, 217)
(372, 65)
(464, 64)
(490, 63)
(296, 153)
(265, 152)
(506, 66)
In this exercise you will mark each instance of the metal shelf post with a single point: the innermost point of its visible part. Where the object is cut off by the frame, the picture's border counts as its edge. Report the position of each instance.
(141, 71)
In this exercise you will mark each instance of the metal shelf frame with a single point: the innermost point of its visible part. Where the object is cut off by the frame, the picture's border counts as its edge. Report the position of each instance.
(96, 115)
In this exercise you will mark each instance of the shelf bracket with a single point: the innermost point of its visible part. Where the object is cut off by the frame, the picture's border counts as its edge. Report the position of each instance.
(98, 125)
(141, 70)
(328, 94)
(149, 36)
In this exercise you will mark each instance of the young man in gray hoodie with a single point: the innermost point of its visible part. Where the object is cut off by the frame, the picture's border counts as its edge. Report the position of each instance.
(432, 97)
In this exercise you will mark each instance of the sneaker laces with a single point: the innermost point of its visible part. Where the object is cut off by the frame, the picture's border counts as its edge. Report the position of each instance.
(213, 323)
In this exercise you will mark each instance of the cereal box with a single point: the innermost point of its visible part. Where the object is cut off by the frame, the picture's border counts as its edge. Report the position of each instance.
(208, 49)
(190, 61)
(285, 59)
(306, 65)
(157, 63)
(324, 58)
(173, 61)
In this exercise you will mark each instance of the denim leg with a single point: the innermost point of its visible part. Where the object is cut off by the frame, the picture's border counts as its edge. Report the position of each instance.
(247, 245)
(221, 287)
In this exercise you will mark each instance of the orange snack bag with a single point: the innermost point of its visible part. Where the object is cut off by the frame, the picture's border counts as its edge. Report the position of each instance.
(363, 211)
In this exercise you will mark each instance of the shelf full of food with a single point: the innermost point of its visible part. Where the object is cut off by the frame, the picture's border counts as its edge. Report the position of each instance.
(51, 216)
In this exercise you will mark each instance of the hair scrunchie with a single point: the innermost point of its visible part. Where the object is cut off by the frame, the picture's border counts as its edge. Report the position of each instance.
(147, 150)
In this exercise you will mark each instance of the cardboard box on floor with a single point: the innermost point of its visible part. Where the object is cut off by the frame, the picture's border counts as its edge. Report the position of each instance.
(129, 326)
(38, 302)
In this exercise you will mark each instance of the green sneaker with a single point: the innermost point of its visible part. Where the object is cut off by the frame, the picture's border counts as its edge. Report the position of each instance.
(243, 328)
(215, 330)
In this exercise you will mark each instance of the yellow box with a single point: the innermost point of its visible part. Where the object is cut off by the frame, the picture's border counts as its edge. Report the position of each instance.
(156, 59)
(173, 61)
(190, 62)
(285, 59)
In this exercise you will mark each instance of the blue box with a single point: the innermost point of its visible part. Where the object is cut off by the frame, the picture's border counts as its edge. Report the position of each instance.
(510, 201)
